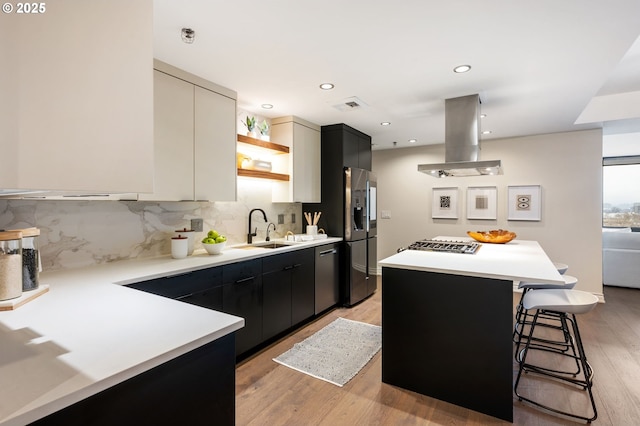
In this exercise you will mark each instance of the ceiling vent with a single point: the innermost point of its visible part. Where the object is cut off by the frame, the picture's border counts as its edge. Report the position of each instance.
(350, 104)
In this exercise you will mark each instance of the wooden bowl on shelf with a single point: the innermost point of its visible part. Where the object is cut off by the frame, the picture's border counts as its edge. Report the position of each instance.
(496, 236)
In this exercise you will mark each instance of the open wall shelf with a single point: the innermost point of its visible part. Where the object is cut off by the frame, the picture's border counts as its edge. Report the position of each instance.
(273, 148)
(262, 175)
(263, 144)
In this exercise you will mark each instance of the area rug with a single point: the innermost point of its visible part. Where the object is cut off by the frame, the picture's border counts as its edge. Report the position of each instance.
(336, 353)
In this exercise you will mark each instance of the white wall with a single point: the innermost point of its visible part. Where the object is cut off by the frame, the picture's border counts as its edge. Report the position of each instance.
(568, 166)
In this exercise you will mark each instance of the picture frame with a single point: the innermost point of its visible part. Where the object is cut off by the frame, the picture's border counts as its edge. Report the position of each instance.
(444, 203)
(482, 202)
(525, 202)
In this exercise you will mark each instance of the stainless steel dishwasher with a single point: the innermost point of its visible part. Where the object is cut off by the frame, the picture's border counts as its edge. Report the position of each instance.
(327, 275)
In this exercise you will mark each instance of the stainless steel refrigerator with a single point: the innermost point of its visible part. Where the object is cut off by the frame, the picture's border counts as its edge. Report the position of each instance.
(360, 234)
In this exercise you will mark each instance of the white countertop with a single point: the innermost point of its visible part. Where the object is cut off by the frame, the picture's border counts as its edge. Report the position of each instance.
(87, 333)
(518, 260)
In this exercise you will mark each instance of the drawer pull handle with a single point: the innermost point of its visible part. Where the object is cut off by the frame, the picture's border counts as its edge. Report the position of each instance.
(326, 252)
(184, 296)
(244, 280)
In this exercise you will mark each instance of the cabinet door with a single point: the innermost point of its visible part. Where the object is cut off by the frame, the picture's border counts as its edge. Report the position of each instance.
(242, 296)
(302, 286)
(306, 164)
(215, 146)
(276, 291)
(173, 139)
(350, 149)
(364, 153)
(84, 119)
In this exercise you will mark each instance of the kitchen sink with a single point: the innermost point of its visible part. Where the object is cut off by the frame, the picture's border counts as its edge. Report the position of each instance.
(268, 245)
(272, 245)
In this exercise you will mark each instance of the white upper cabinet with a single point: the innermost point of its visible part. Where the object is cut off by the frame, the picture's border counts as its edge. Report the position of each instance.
(303, 138)
(215, 146)
(173, 134)
(195, 134)
(81, 98)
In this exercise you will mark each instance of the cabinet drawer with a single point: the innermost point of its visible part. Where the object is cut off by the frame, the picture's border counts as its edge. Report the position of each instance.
(241, 271)
(278, 262)
(177, 286)
(288, 260)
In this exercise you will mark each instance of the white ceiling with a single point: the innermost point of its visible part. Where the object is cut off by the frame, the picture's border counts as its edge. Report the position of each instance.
(538, 66)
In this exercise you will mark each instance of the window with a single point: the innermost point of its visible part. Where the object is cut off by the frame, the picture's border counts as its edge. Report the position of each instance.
(621, 191)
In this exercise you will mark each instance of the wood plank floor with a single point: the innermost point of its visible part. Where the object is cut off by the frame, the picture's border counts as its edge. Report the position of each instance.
(268, 393)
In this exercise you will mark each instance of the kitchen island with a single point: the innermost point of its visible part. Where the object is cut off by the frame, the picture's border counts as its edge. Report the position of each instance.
(447, 320)
(90, 342)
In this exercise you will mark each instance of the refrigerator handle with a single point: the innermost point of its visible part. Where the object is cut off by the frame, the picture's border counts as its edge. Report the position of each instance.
(366, 206)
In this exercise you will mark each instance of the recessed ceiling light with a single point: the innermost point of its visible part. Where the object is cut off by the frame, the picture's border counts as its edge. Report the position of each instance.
(486, 132)
(462, 68)
(327, 86)
(413, 140)
(385, 123)
(267, 106)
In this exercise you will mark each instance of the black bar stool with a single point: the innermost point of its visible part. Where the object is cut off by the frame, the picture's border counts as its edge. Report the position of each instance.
(522, 318)
(566, 304)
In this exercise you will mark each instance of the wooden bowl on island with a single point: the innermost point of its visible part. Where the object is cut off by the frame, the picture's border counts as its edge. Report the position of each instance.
(495, 236)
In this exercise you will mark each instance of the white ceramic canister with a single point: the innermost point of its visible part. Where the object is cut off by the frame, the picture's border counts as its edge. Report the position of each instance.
(191, 236)
(179, 247)
(312, 230)
(10, 265)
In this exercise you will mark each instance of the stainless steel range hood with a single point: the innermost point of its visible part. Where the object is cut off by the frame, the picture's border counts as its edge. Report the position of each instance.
(462, 145)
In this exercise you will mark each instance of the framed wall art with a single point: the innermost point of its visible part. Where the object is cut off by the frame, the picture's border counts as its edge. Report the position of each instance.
(445, 203)
(524, 202)
(482, 202)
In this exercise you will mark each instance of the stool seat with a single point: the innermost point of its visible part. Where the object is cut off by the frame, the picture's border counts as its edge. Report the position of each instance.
(560, 300)
(569, 283)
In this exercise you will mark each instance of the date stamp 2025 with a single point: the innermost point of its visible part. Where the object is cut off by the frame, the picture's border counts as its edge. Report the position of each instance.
(24, 8)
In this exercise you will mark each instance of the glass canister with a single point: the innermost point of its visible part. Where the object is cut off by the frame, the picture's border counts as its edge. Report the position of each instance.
(10, 264)
(31, 265)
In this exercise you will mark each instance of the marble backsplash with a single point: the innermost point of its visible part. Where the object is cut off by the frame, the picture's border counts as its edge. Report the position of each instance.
(83, 233)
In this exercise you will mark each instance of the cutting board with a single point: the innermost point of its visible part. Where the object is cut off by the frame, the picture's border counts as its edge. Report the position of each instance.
(27, 296)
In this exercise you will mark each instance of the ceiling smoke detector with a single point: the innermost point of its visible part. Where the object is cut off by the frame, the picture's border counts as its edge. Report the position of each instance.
(188, 35)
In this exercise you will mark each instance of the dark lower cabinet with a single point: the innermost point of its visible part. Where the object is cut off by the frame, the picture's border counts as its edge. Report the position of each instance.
(303, 286)
(272, 294)
(210, 298)
(276, 291)
(242, 296)
(197, 388)
(201, 288)
(288, 289)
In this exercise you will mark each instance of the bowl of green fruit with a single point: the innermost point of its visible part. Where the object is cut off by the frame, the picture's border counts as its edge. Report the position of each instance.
(214, 242)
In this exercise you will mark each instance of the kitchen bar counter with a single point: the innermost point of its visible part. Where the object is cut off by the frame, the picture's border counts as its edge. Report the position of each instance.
(518, 260)
(447, 321)
(87, 333)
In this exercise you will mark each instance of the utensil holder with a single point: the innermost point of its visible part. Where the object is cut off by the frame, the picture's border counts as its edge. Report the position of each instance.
(312, 230)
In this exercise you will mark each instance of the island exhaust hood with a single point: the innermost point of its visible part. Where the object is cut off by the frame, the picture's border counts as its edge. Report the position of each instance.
(461, 143)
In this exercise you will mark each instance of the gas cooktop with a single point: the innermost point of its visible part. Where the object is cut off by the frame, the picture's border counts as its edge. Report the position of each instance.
(444, 246)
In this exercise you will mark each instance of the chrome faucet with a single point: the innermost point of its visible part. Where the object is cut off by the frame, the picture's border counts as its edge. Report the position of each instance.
(269, 226)
(250, 235)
